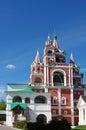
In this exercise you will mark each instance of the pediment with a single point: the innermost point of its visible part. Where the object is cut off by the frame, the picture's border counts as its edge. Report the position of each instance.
(81, 102)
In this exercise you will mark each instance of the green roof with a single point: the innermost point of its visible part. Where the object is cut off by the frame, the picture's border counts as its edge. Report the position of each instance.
(15, 104)
(25, 90)
(80, 73)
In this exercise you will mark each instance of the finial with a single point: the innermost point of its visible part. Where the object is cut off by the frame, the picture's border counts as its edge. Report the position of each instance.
(71, 58)
(55, 36)
(48, 37)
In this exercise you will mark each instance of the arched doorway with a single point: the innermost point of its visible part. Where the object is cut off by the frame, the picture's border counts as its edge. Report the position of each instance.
(41, 119)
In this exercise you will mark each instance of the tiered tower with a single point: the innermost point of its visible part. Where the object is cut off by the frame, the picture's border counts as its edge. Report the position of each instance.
(63, 80)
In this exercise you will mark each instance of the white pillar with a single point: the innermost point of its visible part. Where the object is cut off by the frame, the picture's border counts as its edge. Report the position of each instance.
(85, 115)
(71, 78)
(72, 106)
(69, 75)
(59, 100)
(79, 116)
(47, 75)
(23, 100)
(65, 84)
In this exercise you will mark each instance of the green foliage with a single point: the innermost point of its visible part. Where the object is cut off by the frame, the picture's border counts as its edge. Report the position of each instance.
(21, 124)
(2, 105)
(83, 127)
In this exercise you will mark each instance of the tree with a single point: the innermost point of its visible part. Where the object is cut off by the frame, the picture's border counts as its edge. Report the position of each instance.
(2, 105)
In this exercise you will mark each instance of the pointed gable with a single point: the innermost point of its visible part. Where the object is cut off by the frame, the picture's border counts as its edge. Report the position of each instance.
(82, 101)
(84, 98)
(37, 58)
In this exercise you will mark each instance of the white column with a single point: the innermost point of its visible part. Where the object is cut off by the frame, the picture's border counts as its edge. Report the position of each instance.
(45, 69)
(52, 80)
(79, 117)
(23, 100)
(47, 75)
(69, 75)
(85, 114)
(72, 106)
(82, 116)
(65, 80)
(59, 100)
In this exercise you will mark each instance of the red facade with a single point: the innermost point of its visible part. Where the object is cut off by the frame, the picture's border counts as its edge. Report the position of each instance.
(60, 78)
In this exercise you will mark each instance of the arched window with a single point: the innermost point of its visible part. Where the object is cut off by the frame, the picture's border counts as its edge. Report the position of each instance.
(49, 53)
(63, 101)
(58, 78)
(55, 100)
(17, 99)
(40, 99)
(37, 81)
(27, 100)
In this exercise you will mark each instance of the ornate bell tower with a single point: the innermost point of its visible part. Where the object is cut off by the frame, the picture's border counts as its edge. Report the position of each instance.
(56, 71)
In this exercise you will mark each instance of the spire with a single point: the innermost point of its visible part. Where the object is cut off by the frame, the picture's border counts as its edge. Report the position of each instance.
(37, 58)
(55, 41)
(71, 58)
(48, 40)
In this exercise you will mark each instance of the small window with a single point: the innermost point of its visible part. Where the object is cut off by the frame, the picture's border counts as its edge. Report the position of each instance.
(27, 100)
(38, 69)
(55, 101)
(65, 112)
(57, 59)
(33, 69)
(40, 99)
(63, 100)
(49, 53)
(54, 111)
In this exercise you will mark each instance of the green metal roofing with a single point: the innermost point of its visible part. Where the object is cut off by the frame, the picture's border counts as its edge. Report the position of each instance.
(25, 90)
(80, 73)
(15, 104)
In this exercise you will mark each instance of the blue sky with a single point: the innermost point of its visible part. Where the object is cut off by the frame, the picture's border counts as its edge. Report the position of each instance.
(24, 28)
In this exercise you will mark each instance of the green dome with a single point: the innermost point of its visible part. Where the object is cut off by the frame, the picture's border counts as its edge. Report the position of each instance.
(80, 73)
(55, 36)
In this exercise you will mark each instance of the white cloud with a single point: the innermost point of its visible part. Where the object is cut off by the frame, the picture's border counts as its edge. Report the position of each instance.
(10, 66)
(2, 89)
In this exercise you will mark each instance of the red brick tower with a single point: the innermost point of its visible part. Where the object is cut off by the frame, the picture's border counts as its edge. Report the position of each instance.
(63, 80)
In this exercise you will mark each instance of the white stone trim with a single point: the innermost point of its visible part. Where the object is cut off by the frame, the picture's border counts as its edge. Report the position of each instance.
(59, 101)
(72, 106)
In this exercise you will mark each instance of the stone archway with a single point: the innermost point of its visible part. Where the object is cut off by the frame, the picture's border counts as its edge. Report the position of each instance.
(41, 119)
